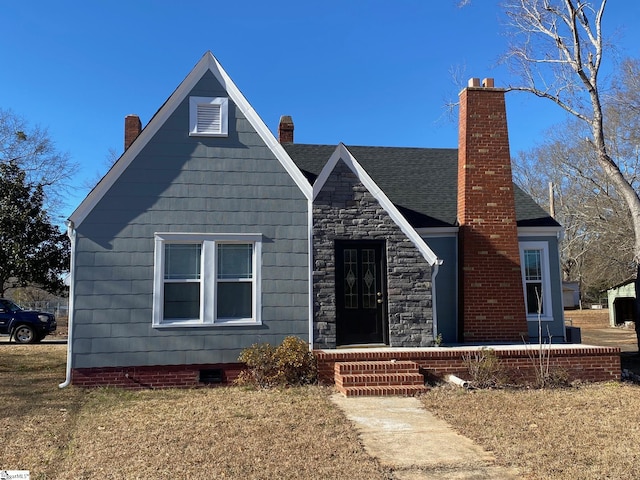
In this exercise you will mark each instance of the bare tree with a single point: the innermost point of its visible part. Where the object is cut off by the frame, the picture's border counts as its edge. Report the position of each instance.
(557, 51)
(597, 246)
(32, 150)
(110, 159)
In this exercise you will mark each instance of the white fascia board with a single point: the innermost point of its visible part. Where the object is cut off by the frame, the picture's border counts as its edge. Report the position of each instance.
(207, 63)
(260, 127)
(438, 231)
(342, 153)
(540, 232)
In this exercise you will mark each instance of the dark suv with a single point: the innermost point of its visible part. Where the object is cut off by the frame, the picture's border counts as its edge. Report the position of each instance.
(24, 326)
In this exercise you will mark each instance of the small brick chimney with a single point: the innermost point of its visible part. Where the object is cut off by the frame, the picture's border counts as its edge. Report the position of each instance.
(492, 304)
(132, 128)
(285, 129)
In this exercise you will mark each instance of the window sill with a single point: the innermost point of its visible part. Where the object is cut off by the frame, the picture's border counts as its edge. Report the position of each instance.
(202, 134)
(227, 323)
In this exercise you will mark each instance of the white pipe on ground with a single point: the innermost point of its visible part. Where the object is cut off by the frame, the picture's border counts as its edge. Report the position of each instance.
(457, 381)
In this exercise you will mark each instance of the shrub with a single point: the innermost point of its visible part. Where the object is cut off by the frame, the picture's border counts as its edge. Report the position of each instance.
(295, 363)
(260, 360)
(291, 363)
(484, 368)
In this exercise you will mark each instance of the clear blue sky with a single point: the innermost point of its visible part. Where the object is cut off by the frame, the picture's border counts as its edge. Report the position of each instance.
(78, 67)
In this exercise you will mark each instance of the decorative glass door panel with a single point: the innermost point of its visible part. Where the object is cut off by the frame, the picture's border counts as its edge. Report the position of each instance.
(350, 278)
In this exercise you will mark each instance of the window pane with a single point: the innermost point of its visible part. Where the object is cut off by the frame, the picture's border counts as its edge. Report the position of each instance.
(181, 300)
(235, 300)
(533, 265)
(182, 261)
(235, 260)
(369, 299)
(350, 278)
(534, 290)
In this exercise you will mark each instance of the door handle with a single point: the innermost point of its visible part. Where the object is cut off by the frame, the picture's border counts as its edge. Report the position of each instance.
(379, 294)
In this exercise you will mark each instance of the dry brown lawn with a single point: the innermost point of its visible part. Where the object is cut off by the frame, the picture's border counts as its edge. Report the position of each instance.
(585, 432)
(196, 434)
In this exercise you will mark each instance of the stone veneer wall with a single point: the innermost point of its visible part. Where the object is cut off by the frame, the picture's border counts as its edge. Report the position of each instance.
(345, 210)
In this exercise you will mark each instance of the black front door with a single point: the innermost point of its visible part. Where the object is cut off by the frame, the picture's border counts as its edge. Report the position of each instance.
(360, 292)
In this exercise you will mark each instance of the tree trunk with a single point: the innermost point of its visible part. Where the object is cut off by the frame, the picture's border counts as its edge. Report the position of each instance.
(636, 305)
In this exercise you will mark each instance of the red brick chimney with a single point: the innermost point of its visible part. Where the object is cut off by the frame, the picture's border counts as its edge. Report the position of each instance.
(132, 128)
(285, 129)
(491, 295)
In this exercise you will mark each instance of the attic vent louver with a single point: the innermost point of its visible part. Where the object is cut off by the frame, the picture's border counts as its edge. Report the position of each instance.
(208, 116)
(209, 119)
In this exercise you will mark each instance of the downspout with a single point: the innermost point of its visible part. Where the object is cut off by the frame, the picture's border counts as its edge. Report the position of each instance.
(71, 233)
(434, 309)
(310, 262)
(560, 237)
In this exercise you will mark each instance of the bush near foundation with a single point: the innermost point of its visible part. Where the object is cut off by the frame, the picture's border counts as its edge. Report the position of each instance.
(484, 368)
(289, 364)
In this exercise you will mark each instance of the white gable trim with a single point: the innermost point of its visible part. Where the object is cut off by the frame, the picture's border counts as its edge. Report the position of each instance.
(207, 63)
(343, 153)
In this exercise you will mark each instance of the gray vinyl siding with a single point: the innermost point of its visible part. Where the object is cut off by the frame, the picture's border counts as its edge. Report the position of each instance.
(556, 327)
(192, 185)
(446, 285)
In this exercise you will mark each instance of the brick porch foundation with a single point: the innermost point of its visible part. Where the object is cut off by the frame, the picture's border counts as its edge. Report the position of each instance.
(580, 362)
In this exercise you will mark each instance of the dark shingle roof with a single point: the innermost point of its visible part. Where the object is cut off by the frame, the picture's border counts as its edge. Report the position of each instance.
(421, 182)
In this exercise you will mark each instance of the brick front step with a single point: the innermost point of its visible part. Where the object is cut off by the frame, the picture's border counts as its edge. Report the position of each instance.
(383, 390)
(376, 366)
(378, 378)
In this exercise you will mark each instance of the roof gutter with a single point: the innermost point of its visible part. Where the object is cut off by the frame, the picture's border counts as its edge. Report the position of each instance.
(71, 233)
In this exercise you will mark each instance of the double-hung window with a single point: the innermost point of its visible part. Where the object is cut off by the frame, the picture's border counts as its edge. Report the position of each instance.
(206, 279)
(534, 259)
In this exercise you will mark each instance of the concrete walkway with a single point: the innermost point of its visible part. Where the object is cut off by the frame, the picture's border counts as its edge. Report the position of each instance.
(404, 436)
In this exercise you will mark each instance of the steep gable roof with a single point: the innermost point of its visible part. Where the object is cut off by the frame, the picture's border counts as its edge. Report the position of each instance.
(342, 154)
(208, 63)
(421, 182)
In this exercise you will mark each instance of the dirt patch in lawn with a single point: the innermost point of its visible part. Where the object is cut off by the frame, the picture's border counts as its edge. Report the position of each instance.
(595, 330)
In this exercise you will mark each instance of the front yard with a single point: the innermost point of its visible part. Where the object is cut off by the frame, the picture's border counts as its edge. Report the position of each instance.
(192, 434)
(586, 432)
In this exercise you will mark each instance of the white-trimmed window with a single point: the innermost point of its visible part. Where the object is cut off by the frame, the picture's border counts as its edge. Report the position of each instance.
(206, 279)
(534, 259)
(208, 116)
